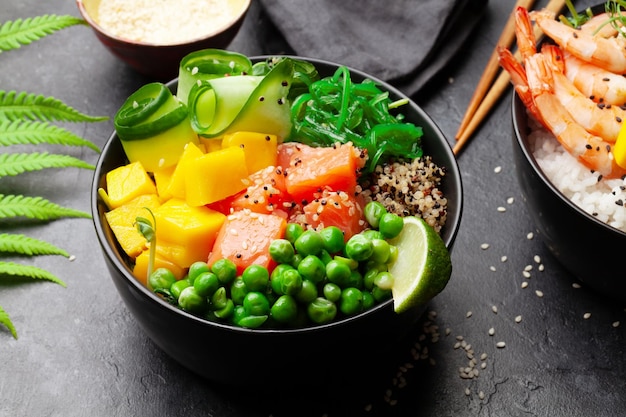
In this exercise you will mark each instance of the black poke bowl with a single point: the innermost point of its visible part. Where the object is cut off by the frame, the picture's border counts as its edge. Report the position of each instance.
(587, 247)
(231, 355)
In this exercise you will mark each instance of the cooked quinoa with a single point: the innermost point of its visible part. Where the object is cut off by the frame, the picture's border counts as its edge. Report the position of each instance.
(409, 189)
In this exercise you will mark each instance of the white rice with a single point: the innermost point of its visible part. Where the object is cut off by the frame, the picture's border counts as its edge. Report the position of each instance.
(602, 199)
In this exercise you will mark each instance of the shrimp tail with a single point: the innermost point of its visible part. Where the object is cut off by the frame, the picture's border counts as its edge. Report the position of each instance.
(524, 33)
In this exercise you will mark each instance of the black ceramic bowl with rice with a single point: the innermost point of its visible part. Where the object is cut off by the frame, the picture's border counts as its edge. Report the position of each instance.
(237, 356)
(582, 241)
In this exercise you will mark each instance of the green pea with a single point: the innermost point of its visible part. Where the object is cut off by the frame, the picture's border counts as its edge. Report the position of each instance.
(338, 273)
(225, 312)
(206, 284)
(287, 283)
(256, 277)
(196, 269)
(351, 301)
(312, 268)
(238, 291)
(256, 304)
(321, 311)
(295, 261)
(369, 277)
(225, 269)
(381, 251)
(161, 279)
(378, 266)
(352, 264)
(309, 243)
(285, 309)
(380, 294)
(307, 293)
(372, 234)
(252, 322)
(331, 292)
(359, 248)
(373, 212)
(178, 286)
(368, 300)
(189, 300)
(293, 232)
(333, 239)
(219, 299)
(281, 251)
(238, 314)
(384, 280)
(391, 225)
(393, 254)
(324, 256)
(279, 270)
(356, 280)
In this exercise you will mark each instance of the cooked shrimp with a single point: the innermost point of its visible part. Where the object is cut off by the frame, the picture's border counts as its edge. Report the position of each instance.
(598, 119)
(600, 85)
(598, 26)
(592, 151)
(607, 53)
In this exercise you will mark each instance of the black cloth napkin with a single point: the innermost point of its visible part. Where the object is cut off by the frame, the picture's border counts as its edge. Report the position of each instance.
(404, 42)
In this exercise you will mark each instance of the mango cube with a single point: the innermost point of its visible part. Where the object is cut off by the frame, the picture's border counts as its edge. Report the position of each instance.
(215, 176)
(162, 179)
(122, 219)
(176, 186)
(126, 183)
(186, 234)
(140, 271)
(260, 149)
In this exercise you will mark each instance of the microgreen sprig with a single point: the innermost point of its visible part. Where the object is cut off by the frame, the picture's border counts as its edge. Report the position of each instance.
(147, 229)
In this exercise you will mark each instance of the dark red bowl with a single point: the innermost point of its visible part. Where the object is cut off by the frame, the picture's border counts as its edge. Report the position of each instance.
(233, 355)
(160, 62)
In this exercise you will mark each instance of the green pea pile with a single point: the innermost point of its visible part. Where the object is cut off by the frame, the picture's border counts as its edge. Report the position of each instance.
(318, 278)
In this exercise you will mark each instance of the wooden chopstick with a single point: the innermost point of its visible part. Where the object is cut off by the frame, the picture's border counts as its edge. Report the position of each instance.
(497, 89)
(491, 69)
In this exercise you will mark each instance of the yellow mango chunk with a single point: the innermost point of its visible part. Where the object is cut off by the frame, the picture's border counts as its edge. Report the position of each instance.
(215, 176)
(186, 234)
(619, 149)
(211, 144)
(140, 271)
(126, 183)
(162, 178)
(122, 219)
(176, 186)
(260, 149)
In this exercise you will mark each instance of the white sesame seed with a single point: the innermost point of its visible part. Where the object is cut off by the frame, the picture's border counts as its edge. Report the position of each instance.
(615, 324)
(457, 345)
(575, 285)
(467, 391)
(518, 319)
(72, 258)
(494, 309)
(492, 268)
(468, 314)
(503, 258)
(524, 284)
(510, 200)
(484, 246)
(483, 356)
(526, 274)
(541, 267)
(530, 235)
(537, 259)
(501, 209)
(586, 316)
(483, 365)
(448, 331)
(539, 293)
(500, 345)
(492, 331)
(497, 169)
(528, 268)
(481, 395)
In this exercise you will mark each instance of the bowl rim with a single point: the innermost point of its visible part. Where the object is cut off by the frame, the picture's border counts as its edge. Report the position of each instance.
(518, 110)
(452, 172)
(219, 29)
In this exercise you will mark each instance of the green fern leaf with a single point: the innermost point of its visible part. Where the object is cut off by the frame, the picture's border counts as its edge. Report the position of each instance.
(12, 164)
(20, 132)
(14, 34)
(6, 321)
(14, 106)
(24, 245)
(28, 271)
(35, 208)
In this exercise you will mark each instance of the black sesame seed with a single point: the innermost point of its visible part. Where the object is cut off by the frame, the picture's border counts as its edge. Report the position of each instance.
(261, 98)
(238, 256)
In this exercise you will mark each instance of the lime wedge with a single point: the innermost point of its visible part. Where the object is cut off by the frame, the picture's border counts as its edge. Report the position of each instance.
(423, 266)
